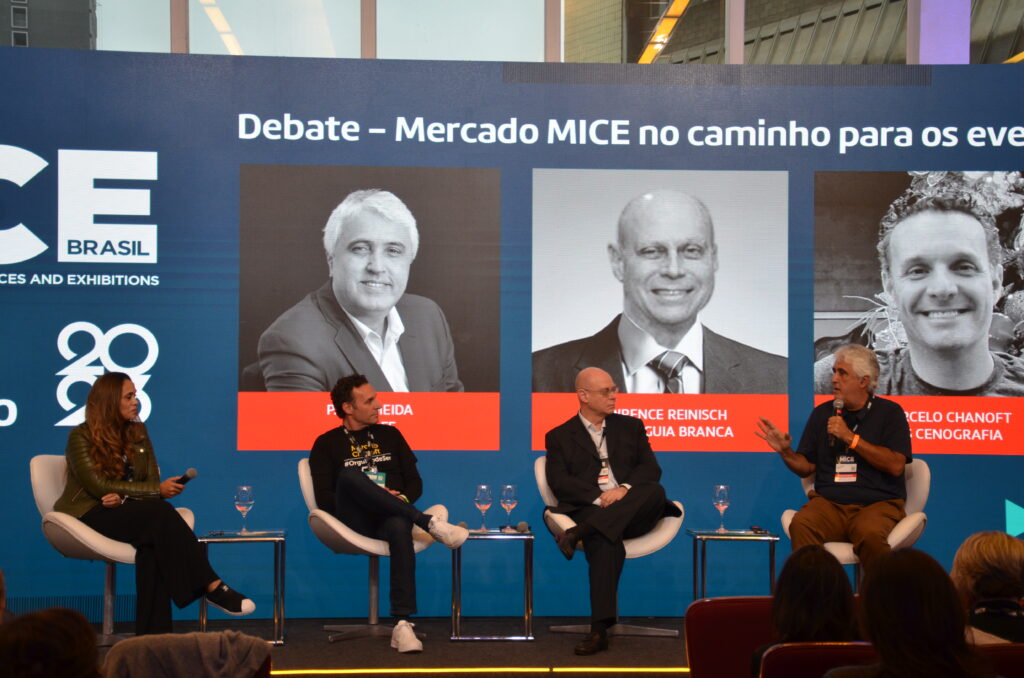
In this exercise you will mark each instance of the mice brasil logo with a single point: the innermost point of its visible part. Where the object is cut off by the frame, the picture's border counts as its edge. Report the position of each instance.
(79, 200)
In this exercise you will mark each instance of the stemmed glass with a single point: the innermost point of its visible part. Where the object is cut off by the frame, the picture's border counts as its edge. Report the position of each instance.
(244, 499)
(721, 502)
(483, 500)
(509, 499)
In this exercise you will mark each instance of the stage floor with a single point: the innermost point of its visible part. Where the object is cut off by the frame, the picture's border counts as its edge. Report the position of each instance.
(306, 651)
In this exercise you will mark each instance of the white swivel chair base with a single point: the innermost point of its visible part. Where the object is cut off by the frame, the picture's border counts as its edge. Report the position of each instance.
(108, 638)
(618, 630)
(353, 631)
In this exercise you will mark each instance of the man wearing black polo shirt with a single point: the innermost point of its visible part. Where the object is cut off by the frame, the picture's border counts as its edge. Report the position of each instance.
(365, 474)
(857, 447)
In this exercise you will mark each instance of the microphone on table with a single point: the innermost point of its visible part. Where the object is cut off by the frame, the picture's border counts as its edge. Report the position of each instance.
(187, 476)
(837, 411)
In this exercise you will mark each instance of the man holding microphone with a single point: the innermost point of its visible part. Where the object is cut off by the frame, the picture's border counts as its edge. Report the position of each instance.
(857, 447)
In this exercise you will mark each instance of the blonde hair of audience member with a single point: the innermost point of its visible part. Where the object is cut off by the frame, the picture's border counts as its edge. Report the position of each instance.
(989, 565)
(52, 643)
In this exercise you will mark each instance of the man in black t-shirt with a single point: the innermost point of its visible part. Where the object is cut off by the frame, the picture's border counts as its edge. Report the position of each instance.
(365, 474)
(857, 448)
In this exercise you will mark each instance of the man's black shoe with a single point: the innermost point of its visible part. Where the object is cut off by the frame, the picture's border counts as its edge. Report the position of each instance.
(567, 542)
(592, 644)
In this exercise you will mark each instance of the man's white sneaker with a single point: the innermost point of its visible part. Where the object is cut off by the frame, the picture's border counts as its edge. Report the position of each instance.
(404, 639)
(450, 535)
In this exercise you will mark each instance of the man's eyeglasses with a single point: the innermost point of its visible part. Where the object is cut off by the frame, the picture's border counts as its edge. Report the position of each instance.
(610, 390)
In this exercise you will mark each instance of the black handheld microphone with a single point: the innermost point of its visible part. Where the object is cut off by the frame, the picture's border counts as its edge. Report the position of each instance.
(187, 476)
(837, 411)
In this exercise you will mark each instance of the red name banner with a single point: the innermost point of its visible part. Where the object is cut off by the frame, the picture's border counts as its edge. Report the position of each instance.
(706, 422)
(292, 421)
(960, 424)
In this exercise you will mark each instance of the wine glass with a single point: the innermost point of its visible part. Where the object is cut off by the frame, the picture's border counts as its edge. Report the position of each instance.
(483, 500)
(721, 502)
(244, 499)
(509, 499)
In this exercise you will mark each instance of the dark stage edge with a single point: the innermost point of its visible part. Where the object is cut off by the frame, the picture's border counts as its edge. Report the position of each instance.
(307, 652)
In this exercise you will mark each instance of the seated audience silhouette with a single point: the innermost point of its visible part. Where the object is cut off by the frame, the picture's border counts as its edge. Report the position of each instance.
(47, 644)
(813, 601)
(914, 618)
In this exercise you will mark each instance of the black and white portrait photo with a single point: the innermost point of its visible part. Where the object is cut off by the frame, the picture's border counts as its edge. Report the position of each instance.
(923, 267)
(670, 281)
(390, 272)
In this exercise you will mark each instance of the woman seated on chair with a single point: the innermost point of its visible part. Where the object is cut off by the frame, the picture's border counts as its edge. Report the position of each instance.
(813, 601)
(114, 487)
(914, 618)
(988, 570)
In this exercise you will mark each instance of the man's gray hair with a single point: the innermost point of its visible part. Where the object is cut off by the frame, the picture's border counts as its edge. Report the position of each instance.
(863, 361)
(382, 203)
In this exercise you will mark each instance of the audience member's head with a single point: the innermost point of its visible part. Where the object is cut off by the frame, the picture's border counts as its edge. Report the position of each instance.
(49, 643)
(813, 599)
(913, 616)
(3, 597)
(989, 566)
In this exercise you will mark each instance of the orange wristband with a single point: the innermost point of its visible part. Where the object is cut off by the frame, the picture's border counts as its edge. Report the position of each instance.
(855, 441)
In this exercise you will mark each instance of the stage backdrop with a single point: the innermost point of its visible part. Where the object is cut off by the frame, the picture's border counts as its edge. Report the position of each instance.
(159, 212)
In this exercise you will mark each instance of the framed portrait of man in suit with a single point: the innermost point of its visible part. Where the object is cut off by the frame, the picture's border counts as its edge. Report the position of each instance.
(334, 258)
(649, 262)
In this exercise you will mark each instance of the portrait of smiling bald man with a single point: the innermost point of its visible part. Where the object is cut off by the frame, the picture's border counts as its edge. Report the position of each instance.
(361, 321)
(666, 258)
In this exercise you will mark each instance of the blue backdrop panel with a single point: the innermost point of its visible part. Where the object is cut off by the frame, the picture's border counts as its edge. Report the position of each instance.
(172, 313)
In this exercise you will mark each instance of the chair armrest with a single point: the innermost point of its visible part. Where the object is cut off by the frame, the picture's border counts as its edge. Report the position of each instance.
(907, 531)
(787, 518)
(557, 523)
(340, 538)
(74, 539)
(663, 532)
(187, 516)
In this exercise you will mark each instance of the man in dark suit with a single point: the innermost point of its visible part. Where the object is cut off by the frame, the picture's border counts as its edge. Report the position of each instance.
(665, 257)
(601, 469)
(361, 321)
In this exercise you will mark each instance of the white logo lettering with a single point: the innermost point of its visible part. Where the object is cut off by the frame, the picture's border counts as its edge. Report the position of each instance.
(81, 240)
(18, 243)
(85, 369)
(12, 412)
(79, 201)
